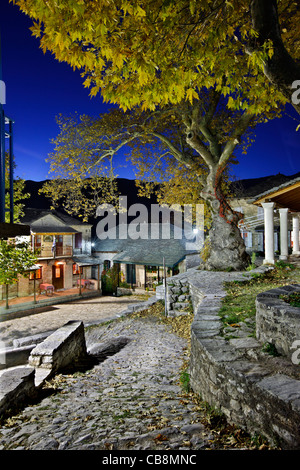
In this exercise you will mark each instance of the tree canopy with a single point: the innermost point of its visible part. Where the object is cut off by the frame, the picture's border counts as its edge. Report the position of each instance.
(156, 144)
(159, 53)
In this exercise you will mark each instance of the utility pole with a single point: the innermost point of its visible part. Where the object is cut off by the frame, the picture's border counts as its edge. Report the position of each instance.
(4, 121)
(2, 143)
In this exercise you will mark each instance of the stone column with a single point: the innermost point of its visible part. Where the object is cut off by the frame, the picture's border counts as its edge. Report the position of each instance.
(269, 232)
(296, 235)
(284, 250)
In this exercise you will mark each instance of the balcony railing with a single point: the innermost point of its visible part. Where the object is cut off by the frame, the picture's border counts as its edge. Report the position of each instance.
(57, 252)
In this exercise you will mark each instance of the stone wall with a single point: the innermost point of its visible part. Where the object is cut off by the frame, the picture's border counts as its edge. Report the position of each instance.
(178, 294)
(255, 391)
(65, 347)
(277, 322)
(17, 388)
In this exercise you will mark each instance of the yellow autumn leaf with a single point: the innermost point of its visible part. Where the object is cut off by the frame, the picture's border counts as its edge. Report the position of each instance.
(191, 94)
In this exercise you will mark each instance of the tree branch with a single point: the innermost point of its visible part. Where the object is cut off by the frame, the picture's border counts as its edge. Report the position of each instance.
(235, 138)
(187, 160)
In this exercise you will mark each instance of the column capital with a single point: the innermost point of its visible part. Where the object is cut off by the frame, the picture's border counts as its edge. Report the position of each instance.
(283, 210)
(268, 205)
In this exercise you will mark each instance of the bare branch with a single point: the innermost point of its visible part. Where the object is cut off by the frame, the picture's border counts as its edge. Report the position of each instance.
(244, 123)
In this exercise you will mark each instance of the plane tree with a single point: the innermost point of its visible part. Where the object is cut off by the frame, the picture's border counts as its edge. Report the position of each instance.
(194, 166)
(189, 56)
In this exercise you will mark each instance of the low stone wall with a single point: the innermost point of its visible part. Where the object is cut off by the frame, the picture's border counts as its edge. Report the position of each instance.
(255, 391)
(20, 385)
(277, 322)
(63, 347)
(15, 356)
(17, 388)
(178, 293)
(124, 291)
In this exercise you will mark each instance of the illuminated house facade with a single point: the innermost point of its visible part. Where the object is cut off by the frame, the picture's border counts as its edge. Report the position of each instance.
(143, 260)
(63, 246)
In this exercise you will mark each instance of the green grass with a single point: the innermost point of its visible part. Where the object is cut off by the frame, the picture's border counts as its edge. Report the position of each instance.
(292, 299)
(239, 303)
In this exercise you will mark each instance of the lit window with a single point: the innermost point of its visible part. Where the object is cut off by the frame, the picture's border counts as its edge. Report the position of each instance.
(38, 274)
(75, 268)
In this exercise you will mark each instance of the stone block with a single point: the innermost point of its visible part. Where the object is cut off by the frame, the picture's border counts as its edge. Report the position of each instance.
(16, 389)
(65, 347)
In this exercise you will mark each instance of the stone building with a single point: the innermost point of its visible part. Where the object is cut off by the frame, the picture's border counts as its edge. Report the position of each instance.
(145, 254)
(247, 198)
(63, 245)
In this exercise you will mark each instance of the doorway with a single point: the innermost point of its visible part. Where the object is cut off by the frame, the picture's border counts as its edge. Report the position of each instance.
(58, 276)
(130, 274)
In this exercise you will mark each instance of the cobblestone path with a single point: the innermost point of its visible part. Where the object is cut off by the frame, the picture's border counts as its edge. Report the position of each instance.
(87, 310)
(131, 399)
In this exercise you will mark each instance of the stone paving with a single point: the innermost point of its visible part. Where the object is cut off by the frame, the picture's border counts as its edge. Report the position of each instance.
(89, 311)
(130, 400)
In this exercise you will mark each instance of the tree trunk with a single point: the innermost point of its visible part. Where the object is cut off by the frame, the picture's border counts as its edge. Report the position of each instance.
(281, 69)
(226, 248)
(6, 293)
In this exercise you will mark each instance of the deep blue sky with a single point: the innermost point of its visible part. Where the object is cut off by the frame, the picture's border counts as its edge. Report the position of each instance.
(38, 88)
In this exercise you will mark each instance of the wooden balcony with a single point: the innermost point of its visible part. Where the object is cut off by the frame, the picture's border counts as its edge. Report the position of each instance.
(58, 252)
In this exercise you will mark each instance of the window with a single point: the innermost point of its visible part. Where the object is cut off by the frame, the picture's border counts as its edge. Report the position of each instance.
(78, 240)
(75, 269)
(38, 274)
(38, 241)
(106, 265)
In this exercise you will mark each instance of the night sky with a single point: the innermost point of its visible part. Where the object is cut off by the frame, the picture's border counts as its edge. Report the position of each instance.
(38, 88)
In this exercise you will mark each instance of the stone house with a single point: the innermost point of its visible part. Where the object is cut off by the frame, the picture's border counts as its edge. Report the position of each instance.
(63, 244)
(143, 260)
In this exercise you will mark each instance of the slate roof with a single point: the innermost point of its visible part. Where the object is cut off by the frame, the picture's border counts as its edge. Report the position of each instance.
(55, 229)
(86, 260)
(32, 215)
(147, 251)
(277, 188)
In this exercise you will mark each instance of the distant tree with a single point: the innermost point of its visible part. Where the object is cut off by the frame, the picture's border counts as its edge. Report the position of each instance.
(19, 194)
(16, 258)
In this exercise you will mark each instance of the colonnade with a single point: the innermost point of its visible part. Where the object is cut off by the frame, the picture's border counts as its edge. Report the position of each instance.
(269, 208)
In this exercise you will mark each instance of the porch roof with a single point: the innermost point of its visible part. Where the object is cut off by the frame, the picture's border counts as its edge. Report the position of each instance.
(86, 260)
(286, 195)
(57, 230)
